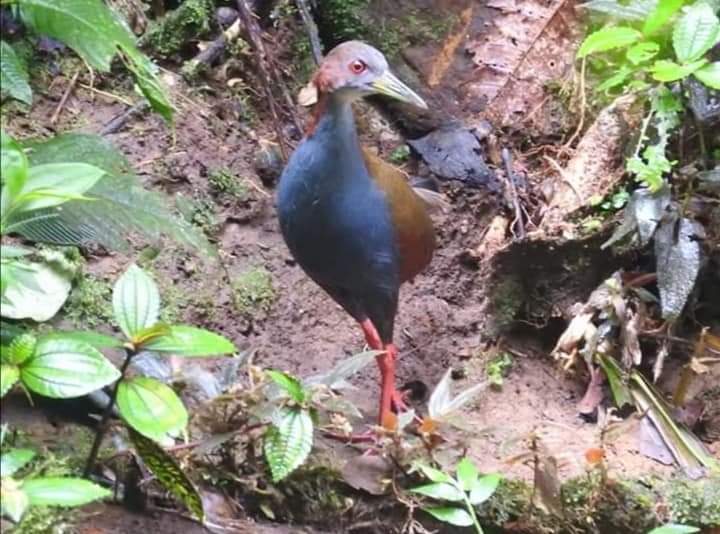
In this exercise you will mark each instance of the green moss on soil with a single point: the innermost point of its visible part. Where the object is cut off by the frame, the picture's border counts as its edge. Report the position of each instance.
(225, 182)
(189, 22)
(253, 291)
(90, 302)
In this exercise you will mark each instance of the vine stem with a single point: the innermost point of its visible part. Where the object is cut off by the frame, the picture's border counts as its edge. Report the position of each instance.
(471, 509)
(105, 420)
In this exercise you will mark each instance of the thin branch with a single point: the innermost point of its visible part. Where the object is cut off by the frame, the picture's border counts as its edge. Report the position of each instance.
(507, 161)
(311, 29)
(64, 98)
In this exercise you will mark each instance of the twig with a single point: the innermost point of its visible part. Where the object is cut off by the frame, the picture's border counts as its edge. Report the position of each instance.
(563, 177)
(117, 123)
(106, 94)
(64, 98)
(507, 161)
(104, 422)
(311, 29)
(583, 103)
(247, 18)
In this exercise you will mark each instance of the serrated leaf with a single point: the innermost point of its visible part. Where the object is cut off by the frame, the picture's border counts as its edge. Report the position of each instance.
(433, 474)
(608, 38)
(709, 75)
(467, 474)
(9, 374)
(288, 441)
(14, 459)
(450, 515)
(643, 51)
(136, 301)
(291, 385)
(151, 408)
(13, 500)
(191, 341)
(671, 528)
(662, 13)
(64, 368)
(62, 491)
(483, 489)
(169, 473)
(669, 71)
(696, 32)
(440, 490)
(53, 184)
(20, 349)
(678, 263)
(13, 75)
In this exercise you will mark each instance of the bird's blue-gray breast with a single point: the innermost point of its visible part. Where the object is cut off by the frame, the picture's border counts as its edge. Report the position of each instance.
(337, 222)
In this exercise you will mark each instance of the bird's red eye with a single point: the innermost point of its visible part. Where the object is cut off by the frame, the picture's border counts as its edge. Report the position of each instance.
(357, 67)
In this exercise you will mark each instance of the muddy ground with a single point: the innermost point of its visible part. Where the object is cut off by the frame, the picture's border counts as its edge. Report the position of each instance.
(443, 320)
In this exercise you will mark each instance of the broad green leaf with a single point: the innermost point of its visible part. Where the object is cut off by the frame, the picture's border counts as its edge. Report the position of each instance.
(136, 301)
(671, 528)
(168, 473)
(64, 368)
(95, 339)
(709, 75)
(14, 459)
(13, 75)
(467, 474)
(13, 171)
(440, 490)
(86, 26)
(608, 38)
(643, 51)
(450, 515)
(191, 341)
(11, 251)
(62, 491)
(37, 290)
(483, 488)
(662, 13)
(55, 183)
(9, 374)
(145, 73)
(291, 385)
(151, 408)
(288, 441)
(669, 71)
(20, 349)
(696, 32)
(620, 9)
(433, 474)
(616, 79)
(13, 500)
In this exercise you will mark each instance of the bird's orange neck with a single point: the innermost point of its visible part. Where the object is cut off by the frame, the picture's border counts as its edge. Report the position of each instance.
(317, 113)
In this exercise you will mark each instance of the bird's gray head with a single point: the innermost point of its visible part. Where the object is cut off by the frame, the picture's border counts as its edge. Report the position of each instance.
(355, 69)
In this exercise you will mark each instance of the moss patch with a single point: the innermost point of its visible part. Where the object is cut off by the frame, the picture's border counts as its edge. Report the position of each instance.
(253, 291)
(224, 182)
(190, 21)
(90, 302)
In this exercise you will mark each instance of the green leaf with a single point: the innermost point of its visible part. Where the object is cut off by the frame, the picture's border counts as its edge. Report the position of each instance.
(450, 515)
(9, 374)
(95, 339)
(36, 291)
(433, 474)
(291, 385)
(288, 442)
(483, 488)
(20, 349)
(669, 71)
(671, 528)
(14, 459)
(168, 473)
(440, 490)
(62, 491)
(616, 79)
(620, 9)
(662, 13)
(11, 252)
(696, 32)
(147, 335)
(13, 171)
(191, 341)
(136, 301)
(150, 86)
(13, 75)
(55, 183)
(65, 368)
(643, 51)
(14, 501)
(709, 75)
(617, 379)
(442, 404)
(608, 38)
(86, 26)
(467, 474)
(151, 408)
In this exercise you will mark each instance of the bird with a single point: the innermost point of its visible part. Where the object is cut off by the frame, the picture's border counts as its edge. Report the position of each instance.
(350, 220)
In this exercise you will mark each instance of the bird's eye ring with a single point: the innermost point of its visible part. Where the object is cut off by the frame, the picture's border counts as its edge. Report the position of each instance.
(357, 67)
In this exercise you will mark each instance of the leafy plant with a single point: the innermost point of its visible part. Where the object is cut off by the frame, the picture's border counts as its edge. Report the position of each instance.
(673, 528)
(96, 34)
(468, 489)
(19, 493)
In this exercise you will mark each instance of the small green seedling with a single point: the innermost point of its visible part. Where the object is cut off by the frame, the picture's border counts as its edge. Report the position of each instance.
(468, 489)
(498, 368)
